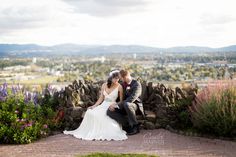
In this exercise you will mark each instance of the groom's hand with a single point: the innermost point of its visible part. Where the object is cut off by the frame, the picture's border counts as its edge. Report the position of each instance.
(112, 107)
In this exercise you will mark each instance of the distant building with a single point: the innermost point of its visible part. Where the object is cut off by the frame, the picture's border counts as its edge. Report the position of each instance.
(101, 59)
(226, 74)
(134, 55)
(34, 60)
(221, 62)
(17, 68)
(6, 59)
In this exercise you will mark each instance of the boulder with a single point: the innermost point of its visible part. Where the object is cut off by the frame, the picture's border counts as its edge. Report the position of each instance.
(77, 112)
(151, 116)
(148, 125)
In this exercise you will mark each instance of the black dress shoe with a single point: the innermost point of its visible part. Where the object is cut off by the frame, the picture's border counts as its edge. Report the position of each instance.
(138, 126)
(134, 130)
(126, 128)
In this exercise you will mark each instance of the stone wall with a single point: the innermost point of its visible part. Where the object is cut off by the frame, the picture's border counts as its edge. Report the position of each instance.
(161, 104)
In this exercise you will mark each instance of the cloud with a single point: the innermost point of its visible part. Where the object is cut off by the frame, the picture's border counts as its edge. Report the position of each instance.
(215, 23)
(23, 17)
(12, 18)
(106, 8)
(162, 23)
(214, 19)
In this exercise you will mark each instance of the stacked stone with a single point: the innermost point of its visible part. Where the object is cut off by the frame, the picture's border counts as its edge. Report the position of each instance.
(159, 102)
(76, 98)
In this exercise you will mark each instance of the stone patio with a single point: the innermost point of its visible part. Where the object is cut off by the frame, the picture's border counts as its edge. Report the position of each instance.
(160, 142)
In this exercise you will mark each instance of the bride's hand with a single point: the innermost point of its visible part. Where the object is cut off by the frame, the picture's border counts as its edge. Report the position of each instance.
(112, 107)
(91, 107)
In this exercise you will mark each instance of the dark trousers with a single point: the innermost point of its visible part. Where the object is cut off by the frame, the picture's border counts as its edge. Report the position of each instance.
(120, 114)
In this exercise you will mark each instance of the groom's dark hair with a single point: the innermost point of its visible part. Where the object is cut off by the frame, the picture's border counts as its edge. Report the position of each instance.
(124, 73)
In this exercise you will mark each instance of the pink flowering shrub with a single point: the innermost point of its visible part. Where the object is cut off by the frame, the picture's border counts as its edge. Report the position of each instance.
(214, 110)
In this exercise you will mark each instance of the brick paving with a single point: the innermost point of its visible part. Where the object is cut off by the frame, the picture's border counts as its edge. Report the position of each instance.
(160, 142)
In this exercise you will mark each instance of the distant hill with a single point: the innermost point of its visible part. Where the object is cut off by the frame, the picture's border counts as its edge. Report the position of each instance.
(228, 48)
(30, 50)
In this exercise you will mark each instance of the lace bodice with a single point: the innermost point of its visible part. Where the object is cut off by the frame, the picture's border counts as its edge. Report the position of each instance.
(111, 97)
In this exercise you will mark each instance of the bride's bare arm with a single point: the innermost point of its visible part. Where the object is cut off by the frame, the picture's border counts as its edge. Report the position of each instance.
(121, 93)
(100, 99)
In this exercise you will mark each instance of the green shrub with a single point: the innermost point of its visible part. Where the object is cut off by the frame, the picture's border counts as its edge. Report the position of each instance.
(21, 119)
(214, 111)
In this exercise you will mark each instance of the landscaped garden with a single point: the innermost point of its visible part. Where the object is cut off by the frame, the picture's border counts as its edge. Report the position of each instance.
(26, 116)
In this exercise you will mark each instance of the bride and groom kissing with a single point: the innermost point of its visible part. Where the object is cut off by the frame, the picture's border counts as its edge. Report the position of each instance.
(113, 116)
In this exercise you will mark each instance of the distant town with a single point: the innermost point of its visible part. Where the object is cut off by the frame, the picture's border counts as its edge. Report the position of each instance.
(156, 67)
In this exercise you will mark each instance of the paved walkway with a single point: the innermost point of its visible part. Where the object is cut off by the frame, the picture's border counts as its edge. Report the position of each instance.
(161, 142)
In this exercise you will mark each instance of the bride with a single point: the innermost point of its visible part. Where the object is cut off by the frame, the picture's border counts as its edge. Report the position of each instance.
(96, 125)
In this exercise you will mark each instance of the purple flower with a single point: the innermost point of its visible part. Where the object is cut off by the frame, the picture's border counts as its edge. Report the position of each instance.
(5, 85)
(28, 97)
(14, 91)
(18, 87)
(45, 126)
(54, 90)
(22, 127)
(28, 124)
(35, 98)
(2, 98)
(3, 92)
(26, 100)
(49, 87)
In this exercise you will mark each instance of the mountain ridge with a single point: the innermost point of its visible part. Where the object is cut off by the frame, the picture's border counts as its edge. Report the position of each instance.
(77, 49)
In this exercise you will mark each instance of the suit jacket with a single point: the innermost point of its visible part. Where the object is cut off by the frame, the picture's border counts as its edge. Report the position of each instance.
(132, 94)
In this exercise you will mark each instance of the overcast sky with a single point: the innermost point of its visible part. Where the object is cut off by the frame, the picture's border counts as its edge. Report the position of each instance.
(159, 23)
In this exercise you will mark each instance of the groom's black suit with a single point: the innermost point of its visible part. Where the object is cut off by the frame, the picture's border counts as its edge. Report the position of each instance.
(131, 105)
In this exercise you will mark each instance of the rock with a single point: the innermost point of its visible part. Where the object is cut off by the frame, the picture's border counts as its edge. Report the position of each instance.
(161, 113)
(77, 112)
(144, 95)
(68, 118)
(141, 121)
(68, 91)
(75, 125)
(158, 126)
(75, 84)
(150, 88)
(158, 99)
(69, 102)
(167, 99)
(151, 116)
(181, 92)
(162, 122)
(149, 125)
(168, 127)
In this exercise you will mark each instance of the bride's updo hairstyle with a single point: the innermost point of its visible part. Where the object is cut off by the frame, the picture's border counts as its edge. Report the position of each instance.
(112, 74)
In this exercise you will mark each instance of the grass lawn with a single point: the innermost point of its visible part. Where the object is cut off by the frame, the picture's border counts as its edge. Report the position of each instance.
(115, 155)
(41, 80)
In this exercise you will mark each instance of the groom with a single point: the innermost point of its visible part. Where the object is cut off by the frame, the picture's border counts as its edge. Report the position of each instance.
(131, 104)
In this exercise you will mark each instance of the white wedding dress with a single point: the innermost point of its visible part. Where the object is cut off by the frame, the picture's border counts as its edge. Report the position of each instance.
(97, 125)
